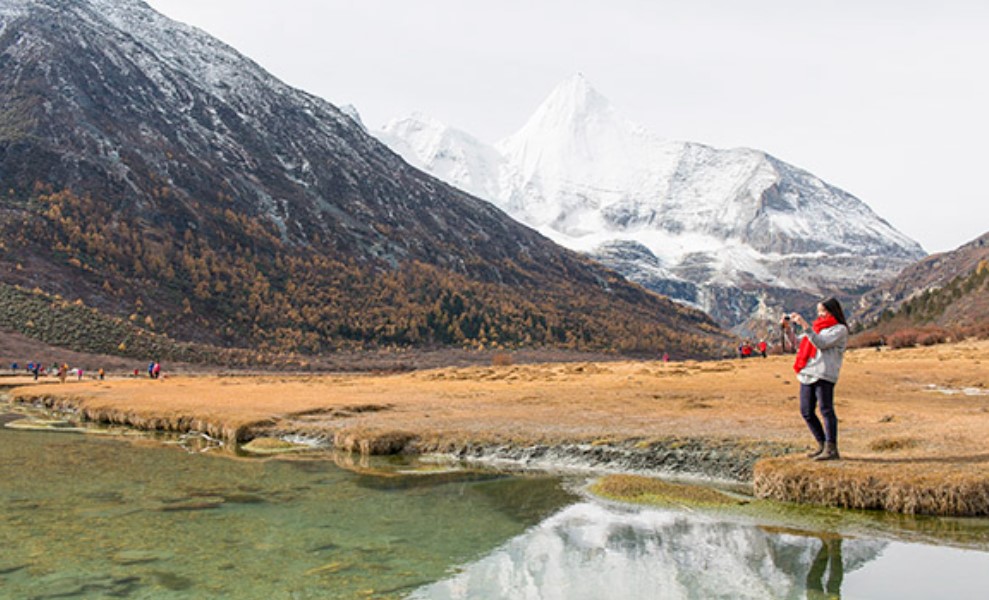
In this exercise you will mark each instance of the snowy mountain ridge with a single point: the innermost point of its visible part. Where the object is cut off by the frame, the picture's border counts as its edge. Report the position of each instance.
(145, 163)
(715, 222)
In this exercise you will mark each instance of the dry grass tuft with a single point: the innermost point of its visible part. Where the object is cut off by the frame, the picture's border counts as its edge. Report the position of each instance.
(890, 444)
(696, 404)
(911, 488)
(370, 442)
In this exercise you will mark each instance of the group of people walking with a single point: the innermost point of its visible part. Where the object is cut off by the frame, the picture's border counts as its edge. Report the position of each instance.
(747, 350)
(63, 372)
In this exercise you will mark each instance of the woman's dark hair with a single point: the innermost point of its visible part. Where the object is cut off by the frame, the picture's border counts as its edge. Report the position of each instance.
(834, 307)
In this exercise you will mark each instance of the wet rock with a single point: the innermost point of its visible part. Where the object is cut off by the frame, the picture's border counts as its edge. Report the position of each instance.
(59, 426)
(172, 581)
(728, 461)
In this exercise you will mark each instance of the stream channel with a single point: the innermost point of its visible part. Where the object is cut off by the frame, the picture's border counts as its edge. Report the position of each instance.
(139, 516)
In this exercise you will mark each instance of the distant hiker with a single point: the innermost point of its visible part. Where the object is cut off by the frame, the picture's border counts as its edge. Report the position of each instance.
(63, 372)
(101, 373)
(13, 368)
(762, 346)
(156, 371)
(666, 358)
(788, 337)
(79, 373)
(36, 369)
(819, 358)
(745, 350)
(151, 370)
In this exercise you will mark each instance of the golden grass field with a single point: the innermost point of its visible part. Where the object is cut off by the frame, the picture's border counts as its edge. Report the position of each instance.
(911, 439)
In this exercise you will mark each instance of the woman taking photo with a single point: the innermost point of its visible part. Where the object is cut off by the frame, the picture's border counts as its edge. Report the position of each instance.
(818, 363)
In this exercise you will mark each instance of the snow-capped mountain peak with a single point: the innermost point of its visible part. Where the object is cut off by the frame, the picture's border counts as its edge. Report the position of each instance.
(711, 220)
(574, 127)
(446, 152)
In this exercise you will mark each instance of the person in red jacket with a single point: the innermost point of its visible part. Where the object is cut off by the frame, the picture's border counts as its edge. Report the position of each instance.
(763, 346)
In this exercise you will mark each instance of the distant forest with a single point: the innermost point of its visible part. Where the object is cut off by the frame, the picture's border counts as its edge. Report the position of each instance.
(232, 280)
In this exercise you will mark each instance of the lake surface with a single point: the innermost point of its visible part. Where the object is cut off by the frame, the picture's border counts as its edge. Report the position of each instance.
(83, 516)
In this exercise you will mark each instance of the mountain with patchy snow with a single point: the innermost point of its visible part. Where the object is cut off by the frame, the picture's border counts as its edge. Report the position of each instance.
(736, 232)
(154, 173)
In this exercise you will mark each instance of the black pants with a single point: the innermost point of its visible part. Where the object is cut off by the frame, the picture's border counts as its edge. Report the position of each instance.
(820, 393)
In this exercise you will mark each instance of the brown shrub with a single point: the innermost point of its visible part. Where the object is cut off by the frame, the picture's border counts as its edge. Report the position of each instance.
(501, 359)
(923, 336)
(905, 338)
(935, 335)
(867, 339)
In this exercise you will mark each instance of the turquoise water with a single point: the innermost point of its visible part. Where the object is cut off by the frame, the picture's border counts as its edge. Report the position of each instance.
(83, 516)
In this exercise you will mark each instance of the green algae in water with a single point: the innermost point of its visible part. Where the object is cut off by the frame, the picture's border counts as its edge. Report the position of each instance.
(93, 516)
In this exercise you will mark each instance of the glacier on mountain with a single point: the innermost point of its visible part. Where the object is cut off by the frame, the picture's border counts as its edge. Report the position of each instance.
(697, 223)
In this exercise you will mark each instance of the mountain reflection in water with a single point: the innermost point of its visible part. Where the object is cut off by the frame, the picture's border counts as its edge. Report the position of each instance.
(594, 551)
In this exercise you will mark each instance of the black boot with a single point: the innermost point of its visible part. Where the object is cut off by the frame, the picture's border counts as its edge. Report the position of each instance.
(816, 453)
(830, 452)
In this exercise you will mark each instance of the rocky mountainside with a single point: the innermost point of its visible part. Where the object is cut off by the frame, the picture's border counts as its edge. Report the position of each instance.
(946, 289)
(736, 232)
(152, 172)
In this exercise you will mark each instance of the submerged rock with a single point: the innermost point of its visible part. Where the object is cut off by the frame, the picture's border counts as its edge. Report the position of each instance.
(7, 570)
(54, 425)
(243, 499)
(136, 557)
(273, 446)
(9, 418)
(172, 581)
(199, 503)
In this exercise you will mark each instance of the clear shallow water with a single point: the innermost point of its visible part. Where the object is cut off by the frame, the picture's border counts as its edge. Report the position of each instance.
(90, 517)
(82, 516)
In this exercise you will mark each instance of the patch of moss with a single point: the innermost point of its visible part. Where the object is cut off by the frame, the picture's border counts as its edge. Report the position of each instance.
(646, 490)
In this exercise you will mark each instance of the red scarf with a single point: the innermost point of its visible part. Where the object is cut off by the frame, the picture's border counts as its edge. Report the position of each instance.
(807, 350)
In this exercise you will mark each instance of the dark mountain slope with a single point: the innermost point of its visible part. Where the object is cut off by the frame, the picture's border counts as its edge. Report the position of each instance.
(949, 270)
(154, 173)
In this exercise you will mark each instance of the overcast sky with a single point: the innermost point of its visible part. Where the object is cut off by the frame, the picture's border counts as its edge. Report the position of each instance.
(885, 99)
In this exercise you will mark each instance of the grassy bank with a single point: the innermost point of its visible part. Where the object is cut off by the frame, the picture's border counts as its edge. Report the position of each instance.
(913, 422)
